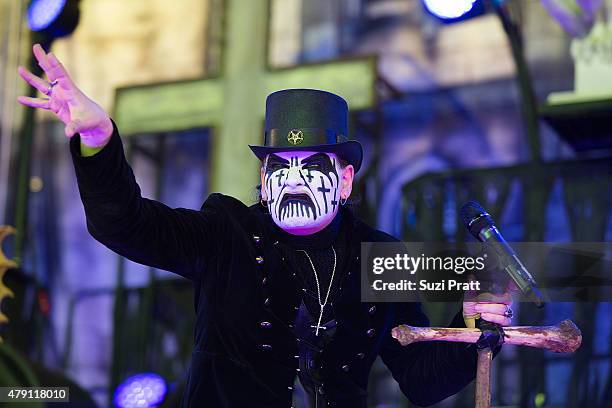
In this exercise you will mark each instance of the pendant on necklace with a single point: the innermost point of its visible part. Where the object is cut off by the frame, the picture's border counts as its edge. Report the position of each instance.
(322, 303)
(318, 326)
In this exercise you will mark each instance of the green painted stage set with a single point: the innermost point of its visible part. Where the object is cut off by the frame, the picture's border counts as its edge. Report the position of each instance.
(233, 102)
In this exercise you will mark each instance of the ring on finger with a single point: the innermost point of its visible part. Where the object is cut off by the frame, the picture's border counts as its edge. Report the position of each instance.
(50, 88)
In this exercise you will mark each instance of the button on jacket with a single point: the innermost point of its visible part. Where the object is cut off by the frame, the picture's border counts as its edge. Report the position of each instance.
(245, 350)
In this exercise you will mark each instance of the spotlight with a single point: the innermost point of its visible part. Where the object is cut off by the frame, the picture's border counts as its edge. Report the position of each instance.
(141, 390)
(53, 18)
(454, 10)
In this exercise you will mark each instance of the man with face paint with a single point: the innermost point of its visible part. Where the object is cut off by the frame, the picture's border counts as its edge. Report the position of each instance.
(277, 291)
(305, 189)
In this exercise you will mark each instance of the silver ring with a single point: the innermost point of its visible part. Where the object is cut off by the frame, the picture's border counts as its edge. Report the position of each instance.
(509, 313)
(50, 89)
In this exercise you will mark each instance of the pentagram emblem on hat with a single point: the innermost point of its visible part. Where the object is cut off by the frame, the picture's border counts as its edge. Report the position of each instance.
(295, 136)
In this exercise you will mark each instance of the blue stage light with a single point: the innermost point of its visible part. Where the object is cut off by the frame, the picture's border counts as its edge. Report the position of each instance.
(42, 13)
(142, 390)
(449, 9)
(53, 18)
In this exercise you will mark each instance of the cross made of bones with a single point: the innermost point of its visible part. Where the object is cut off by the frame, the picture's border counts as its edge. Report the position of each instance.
(564, 337)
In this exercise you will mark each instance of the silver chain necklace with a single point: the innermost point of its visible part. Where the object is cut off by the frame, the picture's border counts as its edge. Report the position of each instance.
(331, 281)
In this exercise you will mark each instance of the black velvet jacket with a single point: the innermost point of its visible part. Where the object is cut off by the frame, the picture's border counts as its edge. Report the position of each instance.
(245, 352)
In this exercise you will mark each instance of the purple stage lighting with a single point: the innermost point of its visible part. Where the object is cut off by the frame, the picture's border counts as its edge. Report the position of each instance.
(446, 9)
(141, 390)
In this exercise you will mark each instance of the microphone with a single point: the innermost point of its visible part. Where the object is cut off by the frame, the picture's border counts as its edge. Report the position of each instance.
(481, 226)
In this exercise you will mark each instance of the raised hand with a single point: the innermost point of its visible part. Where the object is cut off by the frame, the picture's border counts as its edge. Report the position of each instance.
(79, 113)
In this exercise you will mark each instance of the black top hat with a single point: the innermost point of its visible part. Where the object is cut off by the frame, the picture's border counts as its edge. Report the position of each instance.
(308, 119)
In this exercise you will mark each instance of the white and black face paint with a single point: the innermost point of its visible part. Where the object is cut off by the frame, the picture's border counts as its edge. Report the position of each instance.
(302, 189)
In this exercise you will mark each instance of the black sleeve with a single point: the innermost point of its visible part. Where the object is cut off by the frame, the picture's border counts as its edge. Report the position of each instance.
(428, 372)
(140, 229)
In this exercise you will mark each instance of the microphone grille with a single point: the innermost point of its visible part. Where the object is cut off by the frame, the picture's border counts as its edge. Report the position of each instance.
(475, 218)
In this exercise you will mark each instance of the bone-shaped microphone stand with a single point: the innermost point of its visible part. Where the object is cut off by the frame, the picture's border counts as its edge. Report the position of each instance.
(564, 337)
